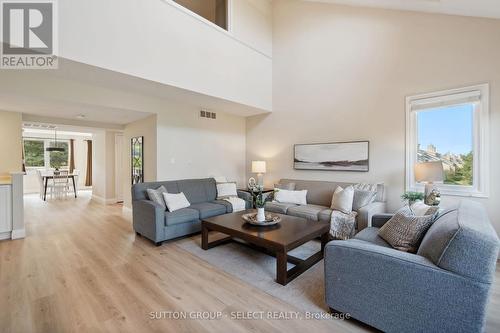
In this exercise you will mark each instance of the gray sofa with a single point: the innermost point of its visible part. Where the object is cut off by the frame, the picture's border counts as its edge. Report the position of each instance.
(153, 222)
(319, 200)
(443, 288)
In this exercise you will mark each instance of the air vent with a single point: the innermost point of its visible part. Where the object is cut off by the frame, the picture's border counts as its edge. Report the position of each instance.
(208, 114)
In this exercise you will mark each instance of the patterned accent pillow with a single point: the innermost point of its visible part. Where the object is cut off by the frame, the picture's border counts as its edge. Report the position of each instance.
(362, 198)
(157, 195)
(404, 231)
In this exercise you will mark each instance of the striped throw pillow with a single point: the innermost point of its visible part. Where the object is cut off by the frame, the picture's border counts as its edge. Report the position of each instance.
(157, 195)
(404, 231)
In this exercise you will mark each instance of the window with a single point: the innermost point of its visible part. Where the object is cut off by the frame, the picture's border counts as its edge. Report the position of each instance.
(451, 127)
(215, 11)
(59, 159)
(36, 155)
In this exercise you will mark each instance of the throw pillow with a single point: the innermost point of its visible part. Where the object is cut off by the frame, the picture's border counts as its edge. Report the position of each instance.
(342, 199)
(157, 195)
(362, 198)
(293, 197)
(404, 231)
(175, 201)
(226, 190)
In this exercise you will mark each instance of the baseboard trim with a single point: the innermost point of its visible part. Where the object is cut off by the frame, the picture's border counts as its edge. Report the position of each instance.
(18, 234)
(5, 235)
(103, 201)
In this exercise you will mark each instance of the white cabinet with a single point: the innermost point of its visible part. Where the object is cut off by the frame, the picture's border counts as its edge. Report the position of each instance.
(5, 211)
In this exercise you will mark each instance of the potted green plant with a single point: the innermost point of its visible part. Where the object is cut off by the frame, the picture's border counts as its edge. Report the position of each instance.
(260, 202)
(411, 197)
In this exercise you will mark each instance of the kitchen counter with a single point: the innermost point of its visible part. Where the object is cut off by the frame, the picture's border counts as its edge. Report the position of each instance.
(5, 180)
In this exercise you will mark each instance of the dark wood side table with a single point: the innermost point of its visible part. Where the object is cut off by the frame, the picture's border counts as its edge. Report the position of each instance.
(276, 240)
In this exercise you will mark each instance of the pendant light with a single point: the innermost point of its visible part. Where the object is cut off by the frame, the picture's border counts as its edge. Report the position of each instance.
(55, 147)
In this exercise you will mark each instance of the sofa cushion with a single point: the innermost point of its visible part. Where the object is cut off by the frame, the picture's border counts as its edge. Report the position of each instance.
(181, 216)
(310, 212)
(278, 207)
(325, 215)
(208, 209)
(225, 203)
(371, 235)
(198, 190)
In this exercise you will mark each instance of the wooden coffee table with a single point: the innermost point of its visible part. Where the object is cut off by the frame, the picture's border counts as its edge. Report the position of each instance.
(276, 240)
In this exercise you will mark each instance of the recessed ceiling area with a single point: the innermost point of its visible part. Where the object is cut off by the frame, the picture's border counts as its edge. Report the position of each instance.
(477, 8)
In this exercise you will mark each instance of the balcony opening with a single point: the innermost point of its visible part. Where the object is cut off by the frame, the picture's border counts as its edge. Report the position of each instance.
(216, 11)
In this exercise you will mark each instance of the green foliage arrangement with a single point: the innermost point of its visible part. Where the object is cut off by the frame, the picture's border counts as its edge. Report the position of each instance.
(259, 199)
(411, 197)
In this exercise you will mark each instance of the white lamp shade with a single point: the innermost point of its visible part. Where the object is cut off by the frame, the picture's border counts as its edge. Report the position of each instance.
(259, 166)
(429, 172)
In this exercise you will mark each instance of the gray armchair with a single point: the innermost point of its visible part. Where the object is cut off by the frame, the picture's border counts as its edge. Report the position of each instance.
(444, 287)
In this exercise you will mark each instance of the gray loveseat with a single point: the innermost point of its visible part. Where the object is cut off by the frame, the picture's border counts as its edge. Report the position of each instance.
(153, 222)
(443, 288)
(319, 200)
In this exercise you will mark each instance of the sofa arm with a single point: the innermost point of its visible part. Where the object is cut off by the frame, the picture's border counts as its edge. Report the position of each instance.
(149, 220)
(366, 213)
(396, 291)
(378, 220)
(247, 197)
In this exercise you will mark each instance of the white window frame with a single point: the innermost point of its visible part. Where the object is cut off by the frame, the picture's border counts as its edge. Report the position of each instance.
(481, 165)
(46, 154)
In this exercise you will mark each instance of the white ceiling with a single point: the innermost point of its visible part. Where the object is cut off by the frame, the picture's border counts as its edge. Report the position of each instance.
(478, 8)
(47, 107)
(107, 99)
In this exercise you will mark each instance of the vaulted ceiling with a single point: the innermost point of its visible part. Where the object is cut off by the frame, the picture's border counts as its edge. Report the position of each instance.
(479, 8)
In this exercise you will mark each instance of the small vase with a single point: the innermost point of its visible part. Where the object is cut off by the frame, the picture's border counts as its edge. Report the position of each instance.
(261, 215)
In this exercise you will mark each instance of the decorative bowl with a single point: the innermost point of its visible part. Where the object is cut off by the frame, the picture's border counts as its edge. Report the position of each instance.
(271, 219)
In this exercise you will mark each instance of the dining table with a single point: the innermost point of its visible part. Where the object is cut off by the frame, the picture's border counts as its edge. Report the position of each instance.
(46, 178)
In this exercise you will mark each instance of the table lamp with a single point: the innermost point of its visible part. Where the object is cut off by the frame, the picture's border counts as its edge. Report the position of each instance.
(430, 172)
(259, 167)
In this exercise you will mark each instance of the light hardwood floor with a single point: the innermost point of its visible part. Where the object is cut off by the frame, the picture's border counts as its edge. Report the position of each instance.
(82, 269)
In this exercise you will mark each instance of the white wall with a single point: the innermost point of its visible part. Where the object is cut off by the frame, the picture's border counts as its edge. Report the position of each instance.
(103, 167)
(157, 41)
(342, 73)
(180, 145)
(10, 142)
(252, 22)
(148, 129)
(193, 147)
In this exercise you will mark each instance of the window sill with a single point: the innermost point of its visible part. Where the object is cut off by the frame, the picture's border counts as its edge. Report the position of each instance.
(464, 192)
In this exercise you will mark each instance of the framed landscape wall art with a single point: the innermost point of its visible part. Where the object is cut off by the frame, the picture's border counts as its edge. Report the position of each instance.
(336, 156)
(137, 159)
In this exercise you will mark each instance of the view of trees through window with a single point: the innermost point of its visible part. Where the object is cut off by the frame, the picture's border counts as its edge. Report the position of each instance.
(34, 153)
(446, 135)
(59, 159)
(36, 157)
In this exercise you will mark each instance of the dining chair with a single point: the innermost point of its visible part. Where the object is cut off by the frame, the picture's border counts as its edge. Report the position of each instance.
(61, 184)
(76, 176)
(41, 184)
